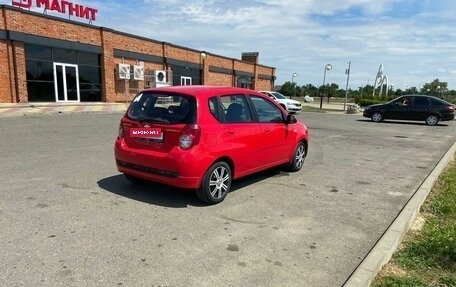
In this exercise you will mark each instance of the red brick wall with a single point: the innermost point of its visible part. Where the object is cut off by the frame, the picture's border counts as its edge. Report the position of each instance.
(214, 60)
(6, 79)
(118, 90)
(47, 27)
(18, 50)
(6, 76)
(219, 79)
(263, 84)
(182, 54)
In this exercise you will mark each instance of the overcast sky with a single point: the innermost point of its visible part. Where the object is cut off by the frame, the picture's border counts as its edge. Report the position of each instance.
(413, 39)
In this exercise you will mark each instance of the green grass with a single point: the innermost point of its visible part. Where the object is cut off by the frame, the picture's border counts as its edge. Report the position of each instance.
(313, 109)
(428, 257)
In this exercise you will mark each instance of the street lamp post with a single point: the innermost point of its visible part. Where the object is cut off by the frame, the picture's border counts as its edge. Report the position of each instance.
(203, 56)
(328, 67)
(347, 72)
(295, 75)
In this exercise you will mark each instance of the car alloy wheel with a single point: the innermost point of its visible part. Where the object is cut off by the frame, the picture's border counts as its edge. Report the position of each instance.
(377, 117)
(432, 120)
(216, 183)
(299, 157)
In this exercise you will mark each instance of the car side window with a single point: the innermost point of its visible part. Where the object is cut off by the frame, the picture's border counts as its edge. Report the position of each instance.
(235, 109)
(266, 111)
(406, 101)
(420, 102)
(403, 102)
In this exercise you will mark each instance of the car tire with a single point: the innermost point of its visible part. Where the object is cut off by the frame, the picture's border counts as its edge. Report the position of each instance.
(216, 183)
(377, 117)
(134, 179)
(432, 120)
(299, 156)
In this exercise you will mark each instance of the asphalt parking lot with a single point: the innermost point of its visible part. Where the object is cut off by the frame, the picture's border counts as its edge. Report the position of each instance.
(68, 218)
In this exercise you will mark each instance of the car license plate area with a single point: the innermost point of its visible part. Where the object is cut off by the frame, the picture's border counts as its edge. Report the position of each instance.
(146, 135)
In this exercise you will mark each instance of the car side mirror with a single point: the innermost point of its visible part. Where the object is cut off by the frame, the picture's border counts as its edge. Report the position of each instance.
(291, 119)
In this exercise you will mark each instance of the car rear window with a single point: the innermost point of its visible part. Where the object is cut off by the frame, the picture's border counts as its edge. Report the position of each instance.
(163, 108)
(438, 102)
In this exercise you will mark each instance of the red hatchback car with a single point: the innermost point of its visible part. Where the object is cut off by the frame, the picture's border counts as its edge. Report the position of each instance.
(203, 137)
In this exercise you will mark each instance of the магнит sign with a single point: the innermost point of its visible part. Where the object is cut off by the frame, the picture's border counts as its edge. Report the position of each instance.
(61, 6)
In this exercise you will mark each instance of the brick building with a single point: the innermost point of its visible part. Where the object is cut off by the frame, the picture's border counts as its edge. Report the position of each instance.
(50, 59)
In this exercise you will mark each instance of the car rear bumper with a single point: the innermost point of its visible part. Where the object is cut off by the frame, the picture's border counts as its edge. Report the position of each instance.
(169, 168)
(447, 117)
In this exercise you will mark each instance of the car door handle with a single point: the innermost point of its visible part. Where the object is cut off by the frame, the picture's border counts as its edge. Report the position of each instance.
(266, 130)
(231, 132)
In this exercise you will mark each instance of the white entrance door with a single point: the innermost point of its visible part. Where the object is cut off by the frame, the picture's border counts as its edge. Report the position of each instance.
(66, 82)
(186, 81)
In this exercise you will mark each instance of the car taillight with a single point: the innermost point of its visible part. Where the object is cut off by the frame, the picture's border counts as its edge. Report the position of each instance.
(120, 133)
(190, 136)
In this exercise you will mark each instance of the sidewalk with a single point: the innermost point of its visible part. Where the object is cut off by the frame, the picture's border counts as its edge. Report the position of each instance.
(30, 109)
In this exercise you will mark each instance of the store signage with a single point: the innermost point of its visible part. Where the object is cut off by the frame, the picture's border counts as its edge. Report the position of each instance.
(61, 6)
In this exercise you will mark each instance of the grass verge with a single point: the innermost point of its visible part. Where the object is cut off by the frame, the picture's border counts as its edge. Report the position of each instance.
(427, 255)
(313, 109)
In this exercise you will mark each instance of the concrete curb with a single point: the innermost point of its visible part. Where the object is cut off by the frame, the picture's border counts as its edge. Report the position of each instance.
(383, 250)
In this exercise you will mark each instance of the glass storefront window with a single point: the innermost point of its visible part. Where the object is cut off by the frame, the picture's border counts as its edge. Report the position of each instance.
(90, 92)
(64, 56)
(89, 74)
(89, 59)
(244, 82)
(41, 91)
(38, 52)
(40, 73)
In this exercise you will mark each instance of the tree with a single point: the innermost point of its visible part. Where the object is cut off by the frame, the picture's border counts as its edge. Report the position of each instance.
(288, 89)
(411, 91)
(435, 88)
(309, 90)
(366, 91)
